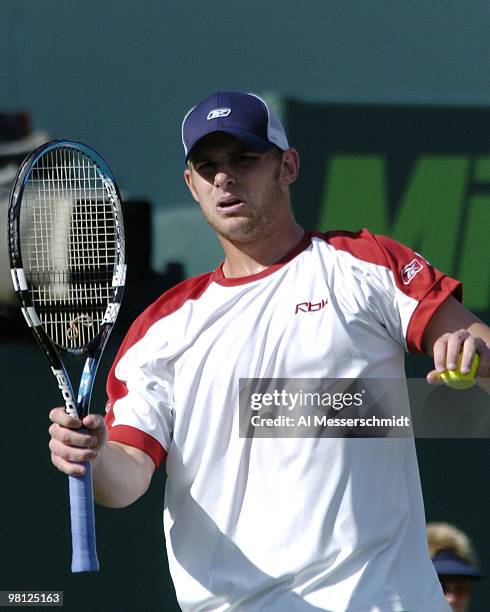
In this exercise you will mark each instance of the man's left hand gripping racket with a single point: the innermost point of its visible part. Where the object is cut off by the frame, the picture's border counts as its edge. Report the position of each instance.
(68, 265)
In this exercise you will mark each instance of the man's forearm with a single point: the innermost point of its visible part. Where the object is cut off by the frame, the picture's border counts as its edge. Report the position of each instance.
(121, 475)
(482, 331)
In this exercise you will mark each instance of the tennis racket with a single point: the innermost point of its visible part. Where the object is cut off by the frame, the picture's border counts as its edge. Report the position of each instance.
(68, 265)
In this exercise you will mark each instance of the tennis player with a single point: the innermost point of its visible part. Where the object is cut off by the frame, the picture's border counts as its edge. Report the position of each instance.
(274, 524)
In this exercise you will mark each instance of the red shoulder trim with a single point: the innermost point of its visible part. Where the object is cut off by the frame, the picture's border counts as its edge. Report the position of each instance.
(166, 304)
(413, 275)
(359, 244)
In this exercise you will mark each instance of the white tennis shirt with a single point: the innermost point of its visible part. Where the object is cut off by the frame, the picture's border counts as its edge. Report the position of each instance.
(296, 524)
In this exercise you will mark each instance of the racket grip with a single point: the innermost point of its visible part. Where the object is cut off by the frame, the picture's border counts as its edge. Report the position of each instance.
(84, 553)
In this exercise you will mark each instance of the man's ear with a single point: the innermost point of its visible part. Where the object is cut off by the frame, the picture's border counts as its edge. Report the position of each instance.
(190, 183)
(290, 166)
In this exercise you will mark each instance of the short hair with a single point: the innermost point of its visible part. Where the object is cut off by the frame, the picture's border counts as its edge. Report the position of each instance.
(446, 537)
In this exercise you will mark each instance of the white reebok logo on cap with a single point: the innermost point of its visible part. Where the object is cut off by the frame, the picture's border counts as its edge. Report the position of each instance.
(218, 112)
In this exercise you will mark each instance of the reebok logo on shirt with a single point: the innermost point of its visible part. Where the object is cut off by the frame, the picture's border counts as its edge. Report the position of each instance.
(310, 306)
(410, 270)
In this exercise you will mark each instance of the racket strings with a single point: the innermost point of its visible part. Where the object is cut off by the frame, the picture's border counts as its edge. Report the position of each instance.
(70, 240)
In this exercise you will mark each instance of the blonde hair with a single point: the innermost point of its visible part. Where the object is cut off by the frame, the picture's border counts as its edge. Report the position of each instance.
(443, 536)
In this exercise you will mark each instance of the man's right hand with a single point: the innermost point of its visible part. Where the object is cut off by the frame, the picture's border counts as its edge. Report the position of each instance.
(121, 474)
(70, 446)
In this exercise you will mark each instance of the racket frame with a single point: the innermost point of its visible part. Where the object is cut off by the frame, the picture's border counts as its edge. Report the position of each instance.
(84, 555)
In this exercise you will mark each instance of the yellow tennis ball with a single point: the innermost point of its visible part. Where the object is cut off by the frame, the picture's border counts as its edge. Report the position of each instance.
(456, 380)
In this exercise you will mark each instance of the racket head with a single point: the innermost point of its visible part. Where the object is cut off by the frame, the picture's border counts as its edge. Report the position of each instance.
(67, 246)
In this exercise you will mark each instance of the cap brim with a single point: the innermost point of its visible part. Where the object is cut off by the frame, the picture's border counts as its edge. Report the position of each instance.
(254, 142)
(454, 567)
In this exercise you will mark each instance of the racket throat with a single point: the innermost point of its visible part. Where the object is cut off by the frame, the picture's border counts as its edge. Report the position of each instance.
(86, 386)
(66, 391)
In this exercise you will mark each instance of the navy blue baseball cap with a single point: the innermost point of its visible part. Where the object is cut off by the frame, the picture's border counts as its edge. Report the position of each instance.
(243, 115)
(449, 564)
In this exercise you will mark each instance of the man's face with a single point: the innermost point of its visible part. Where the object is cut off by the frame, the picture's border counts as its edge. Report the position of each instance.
(457, 591)
(243, 193)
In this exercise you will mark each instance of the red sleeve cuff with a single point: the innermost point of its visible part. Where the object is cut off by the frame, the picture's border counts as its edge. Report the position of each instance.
(125, 434)
(427, 307)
